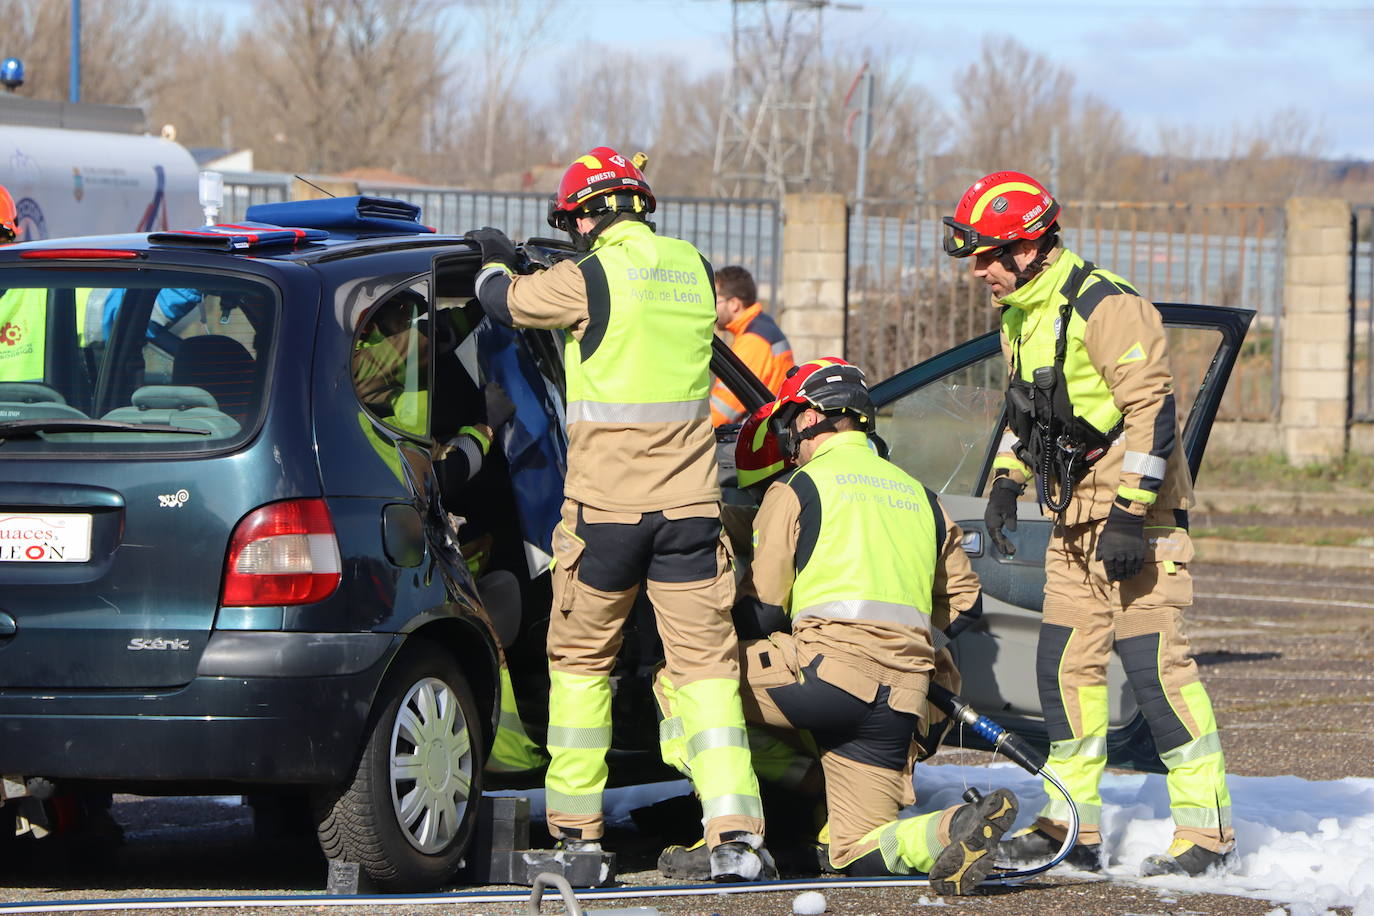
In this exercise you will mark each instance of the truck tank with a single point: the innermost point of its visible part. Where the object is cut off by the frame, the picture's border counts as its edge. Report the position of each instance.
(71, 182)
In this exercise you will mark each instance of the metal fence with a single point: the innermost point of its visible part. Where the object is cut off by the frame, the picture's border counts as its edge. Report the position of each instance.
(1362, 314)
(744, 232)
(909, 301)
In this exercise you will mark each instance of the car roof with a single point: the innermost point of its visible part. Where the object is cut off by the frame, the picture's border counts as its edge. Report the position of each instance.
(291, 231)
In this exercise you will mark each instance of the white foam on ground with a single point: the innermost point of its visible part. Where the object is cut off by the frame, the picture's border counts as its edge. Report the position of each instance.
(1306, 844)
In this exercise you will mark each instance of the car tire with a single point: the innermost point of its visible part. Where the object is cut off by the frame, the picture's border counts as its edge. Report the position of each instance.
(408, 815)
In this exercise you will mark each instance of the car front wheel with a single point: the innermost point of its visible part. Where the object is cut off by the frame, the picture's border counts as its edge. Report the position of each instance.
(408, 815)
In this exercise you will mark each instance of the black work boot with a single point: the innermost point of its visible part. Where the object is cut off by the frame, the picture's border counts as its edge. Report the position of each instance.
(973, 835)
(1187, 858)
(686, 863)
(741, 856)
(1033, 846)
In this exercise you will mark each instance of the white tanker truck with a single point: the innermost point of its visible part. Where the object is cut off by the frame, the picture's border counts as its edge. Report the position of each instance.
(68, 180)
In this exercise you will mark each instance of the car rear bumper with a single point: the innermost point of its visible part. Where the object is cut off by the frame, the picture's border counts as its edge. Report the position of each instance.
(264, 708)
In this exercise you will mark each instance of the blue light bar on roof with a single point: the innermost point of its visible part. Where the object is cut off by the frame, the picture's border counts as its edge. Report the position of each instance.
(345, 217)
(248, 235)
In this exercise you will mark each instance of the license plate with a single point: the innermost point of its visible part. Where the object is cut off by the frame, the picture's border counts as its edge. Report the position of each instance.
(35, 538)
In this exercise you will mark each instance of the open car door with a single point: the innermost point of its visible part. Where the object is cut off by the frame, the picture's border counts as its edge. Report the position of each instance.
(943, 420)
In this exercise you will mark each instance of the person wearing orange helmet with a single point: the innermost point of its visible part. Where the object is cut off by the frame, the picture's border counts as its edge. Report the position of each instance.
(9, 217)
(642, 499)
(860, 566)
(1093, 423)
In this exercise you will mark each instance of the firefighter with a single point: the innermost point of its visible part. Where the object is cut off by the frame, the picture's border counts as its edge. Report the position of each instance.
(754, 337)
(860, 565)
(642, 501)
(1093, 423)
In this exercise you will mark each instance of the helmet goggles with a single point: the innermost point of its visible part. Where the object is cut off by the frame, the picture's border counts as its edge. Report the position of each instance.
(962, 240)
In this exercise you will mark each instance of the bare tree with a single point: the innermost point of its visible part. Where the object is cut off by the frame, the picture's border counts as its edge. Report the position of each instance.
(1016, 109)
(509, 31)
(337, 84)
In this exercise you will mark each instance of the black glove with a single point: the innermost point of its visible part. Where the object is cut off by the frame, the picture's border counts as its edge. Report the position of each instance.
(1001, 513)
(500, 408)
(1121, 547)
(497, 248)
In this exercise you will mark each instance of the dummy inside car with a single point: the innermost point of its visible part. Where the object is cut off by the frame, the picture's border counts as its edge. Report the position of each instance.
(263, 532)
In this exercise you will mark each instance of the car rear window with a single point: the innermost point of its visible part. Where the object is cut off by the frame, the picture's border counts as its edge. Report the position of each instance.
(162, 360)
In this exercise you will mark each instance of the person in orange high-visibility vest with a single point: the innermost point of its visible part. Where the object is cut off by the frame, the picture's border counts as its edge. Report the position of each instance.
(754, 337)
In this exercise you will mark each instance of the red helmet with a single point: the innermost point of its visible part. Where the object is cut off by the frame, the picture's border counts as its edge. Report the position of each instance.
(758, 456)
(591, 184)
(829, 385)
(9, 218)
(997, 210)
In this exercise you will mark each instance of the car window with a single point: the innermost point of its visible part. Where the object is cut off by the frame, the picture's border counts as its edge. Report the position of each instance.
(174, 360)
(942, 433)
(391, 362)
(1191, 351)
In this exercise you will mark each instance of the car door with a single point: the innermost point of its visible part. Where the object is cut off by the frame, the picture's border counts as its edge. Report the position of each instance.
(943, 419)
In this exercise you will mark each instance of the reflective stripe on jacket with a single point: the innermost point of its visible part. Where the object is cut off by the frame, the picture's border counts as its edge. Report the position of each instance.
(868, 544)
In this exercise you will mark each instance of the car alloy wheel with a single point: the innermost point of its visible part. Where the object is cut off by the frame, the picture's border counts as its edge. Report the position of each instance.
(431, 765)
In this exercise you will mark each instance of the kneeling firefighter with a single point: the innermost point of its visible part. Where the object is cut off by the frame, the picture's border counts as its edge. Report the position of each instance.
(859, 564)
(1093, 421)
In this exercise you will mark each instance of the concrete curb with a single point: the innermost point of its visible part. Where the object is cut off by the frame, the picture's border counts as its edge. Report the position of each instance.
(1215, 550)
(1278, 502)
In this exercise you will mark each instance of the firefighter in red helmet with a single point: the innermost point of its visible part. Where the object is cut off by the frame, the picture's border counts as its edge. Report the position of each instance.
(642, 499)
(1093, 423)
(860, 565)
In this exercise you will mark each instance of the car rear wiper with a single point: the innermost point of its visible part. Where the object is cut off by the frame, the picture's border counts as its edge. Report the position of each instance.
(16, 429)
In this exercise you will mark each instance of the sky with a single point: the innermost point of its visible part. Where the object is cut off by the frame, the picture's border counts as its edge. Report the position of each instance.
(1210, 65)
(1308, 845)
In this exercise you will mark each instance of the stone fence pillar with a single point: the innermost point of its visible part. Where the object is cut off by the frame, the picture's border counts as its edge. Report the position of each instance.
(1316, 325)
(814, 243)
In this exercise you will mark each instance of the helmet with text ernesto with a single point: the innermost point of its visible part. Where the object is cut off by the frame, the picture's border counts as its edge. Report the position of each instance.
(602, 181)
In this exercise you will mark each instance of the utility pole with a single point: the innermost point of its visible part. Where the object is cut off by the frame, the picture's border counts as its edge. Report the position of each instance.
(773, 115)
(74, 95)
(1054, 159)
(865, 84)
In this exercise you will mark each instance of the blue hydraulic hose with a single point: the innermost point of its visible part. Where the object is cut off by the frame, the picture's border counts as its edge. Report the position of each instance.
(1016, 749)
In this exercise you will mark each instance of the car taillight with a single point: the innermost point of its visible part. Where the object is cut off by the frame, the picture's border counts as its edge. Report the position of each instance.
(282, 553)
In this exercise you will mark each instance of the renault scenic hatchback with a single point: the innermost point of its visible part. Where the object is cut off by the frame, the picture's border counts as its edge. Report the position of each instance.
(228, 557)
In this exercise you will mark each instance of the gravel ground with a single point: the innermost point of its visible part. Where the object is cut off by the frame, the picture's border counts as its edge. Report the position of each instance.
(1286, 654)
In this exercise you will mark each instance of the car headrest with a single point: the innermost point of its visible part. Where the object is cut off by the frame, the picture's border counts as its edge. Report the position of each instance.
(30, 393)
(172, 397)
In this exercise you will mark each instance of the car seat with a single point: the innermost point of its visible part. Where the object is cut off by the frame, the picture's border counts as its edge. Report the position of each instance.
(221, 366)
(177, 405)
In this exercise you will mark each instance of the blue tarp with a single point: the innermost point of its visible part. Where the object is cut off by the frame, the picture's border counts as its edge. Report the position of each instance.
(533, 441)
(344, 217)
